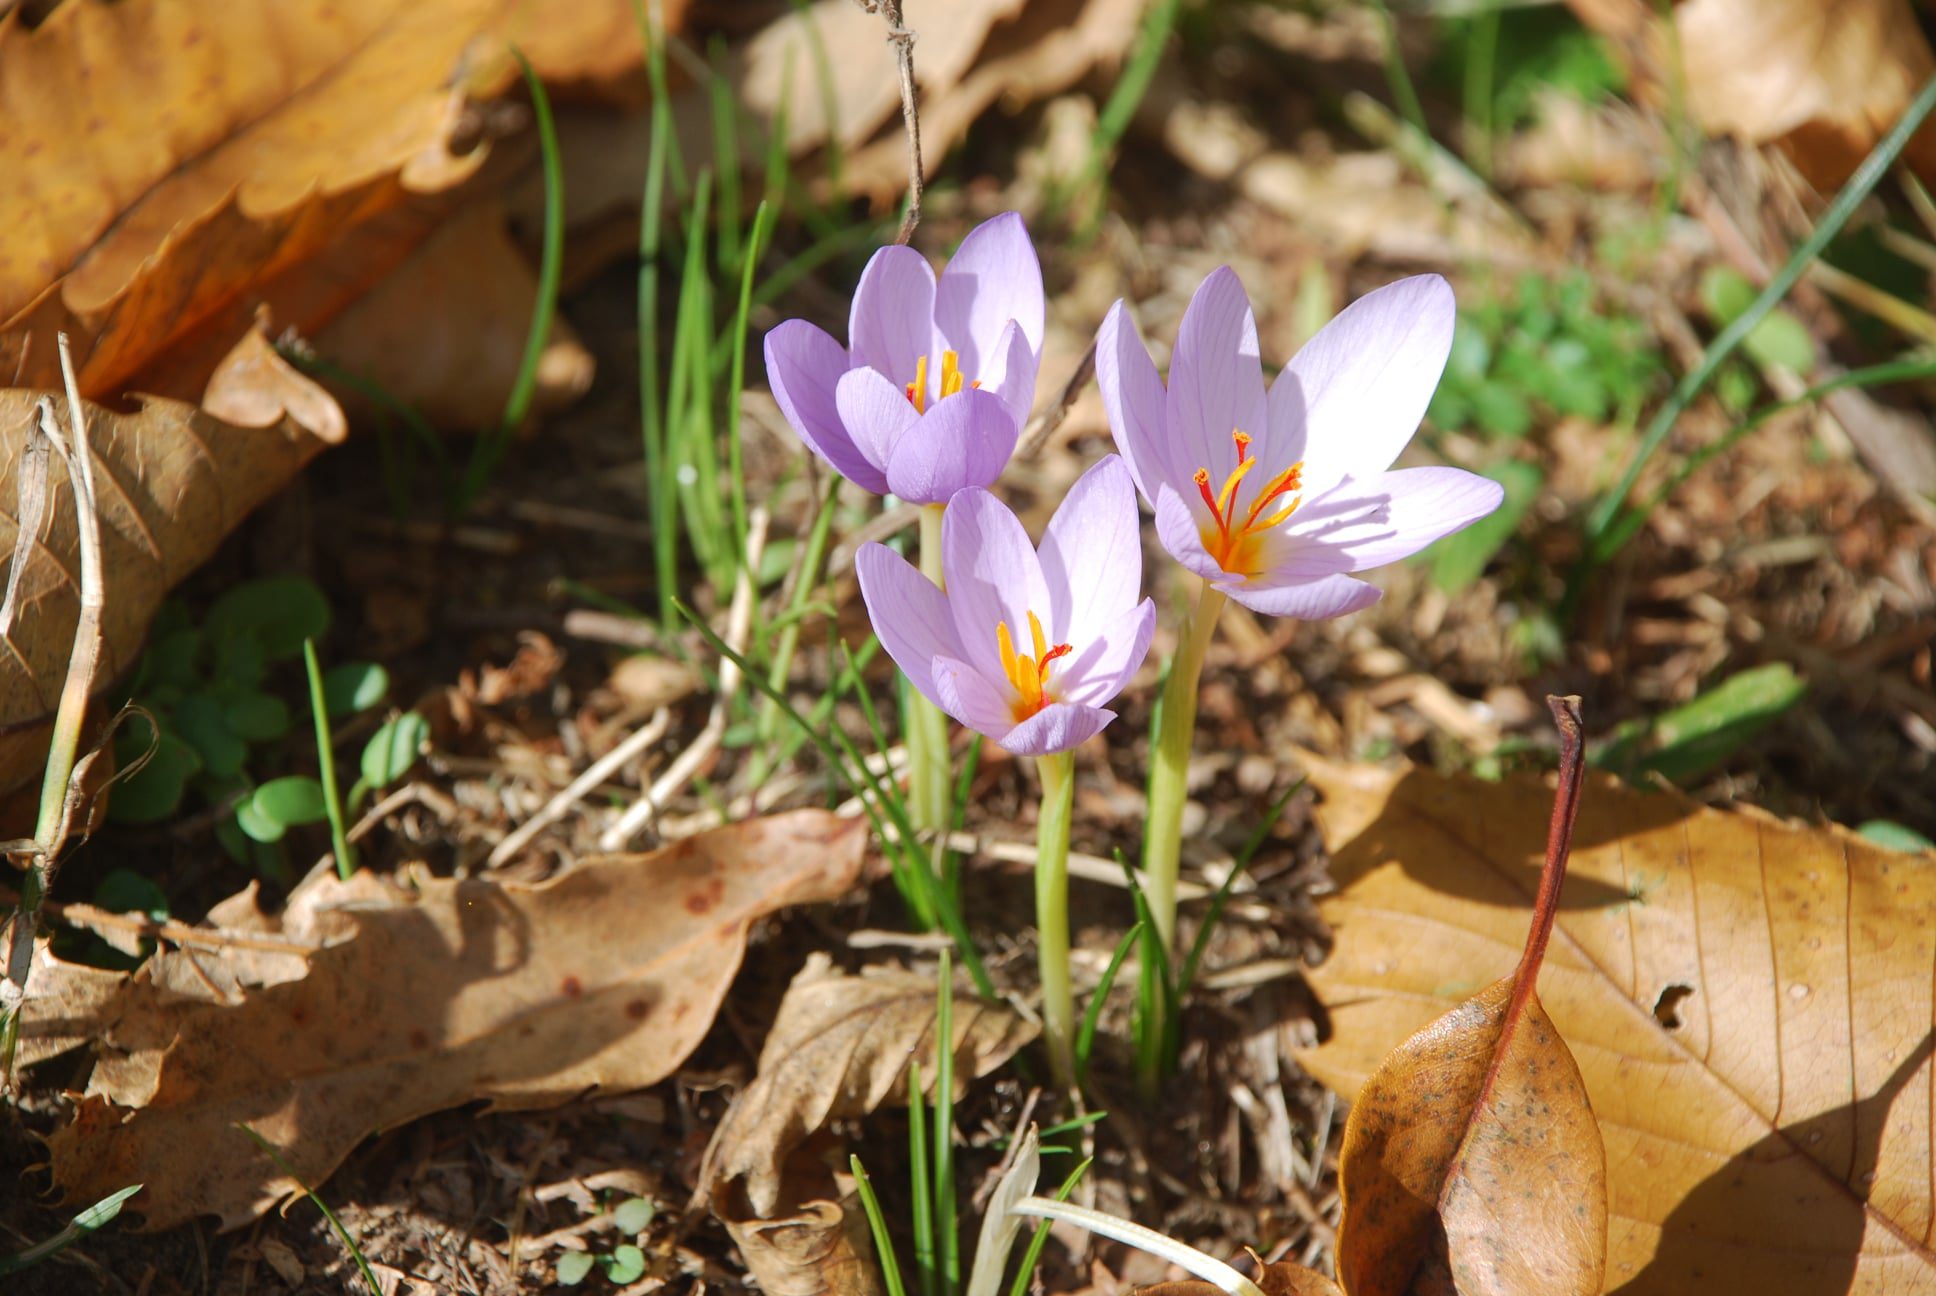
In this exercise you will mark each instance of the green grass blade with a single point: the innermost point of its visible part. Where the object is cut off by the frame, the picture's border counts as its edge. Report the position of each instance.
(1039, 1238)
(919, 1181)
(335, 1224)
(947, 1234)
(1188, 975)
(326, 765)
(88, 1221)
(1865, 178)
(551, 258)
(1092, 1017)
(735, 451)
(877, 1224)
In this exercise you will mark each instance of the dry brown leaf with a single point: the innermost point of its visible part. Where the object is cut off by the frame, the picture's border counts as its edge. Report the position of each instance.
(64, 1007)
(1824, 79)
(1750, 1003)
(523, 995)
(172, 482)
(839, 1048)
(160, 169)
(1471, 1162)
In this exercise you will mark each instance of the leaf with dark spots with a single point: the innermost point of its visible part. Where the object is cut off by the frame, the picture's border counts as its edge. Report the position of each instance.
(522, 995)
(1471, 1161)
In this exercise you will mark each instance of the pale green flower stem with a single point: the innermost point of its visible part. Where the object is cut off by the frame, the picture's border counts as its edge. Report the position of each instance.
(930, 782)
(1058, 771)
(1170, 765)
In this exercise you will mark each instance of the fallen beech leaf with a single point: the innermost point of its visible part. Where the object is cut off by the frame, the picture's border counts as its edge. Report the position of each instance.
(172, 482)
(65, 1005)
(1280, 1279)
(1823, 78)
(606, 976)
(839, 1048)
(1750, 1003)
(1471, 1161)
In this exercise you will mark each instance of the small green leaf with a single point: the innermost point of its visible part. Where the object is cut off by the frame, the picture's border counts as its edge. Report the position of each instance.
(393, 749)
(633, 1214)
(1461, 558)
(94, 1217)
(354, 686)
(1501, 410)
(126, 891)
(572, 1267)
(154, 792)
(258, 717)
(257, 825)
(1887, 832)
(172, 658)
(1471, 354)
(625, 1264)
(1780, 340)
(1725, 293)
(1694, 738)
(277, 614)
(203, 724)
(291, 801)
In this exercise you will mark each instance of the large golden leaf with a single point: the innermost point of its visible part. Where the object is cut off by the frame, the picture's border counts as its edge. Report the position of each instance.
(1750, 1003)
(166, 158)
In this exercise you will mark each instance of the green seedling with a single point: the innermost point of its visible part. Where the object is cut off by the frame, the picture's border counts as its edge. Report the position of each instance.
(88, 1221)
(1887, 832)
(1694, 739)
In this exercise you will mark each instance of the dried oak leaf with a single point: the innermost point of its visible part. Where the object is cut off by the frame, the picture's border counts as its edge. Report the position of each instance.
(1749, 1001)
(839, 1048)
(171, 480)
(1280, 1279)
(523, 995)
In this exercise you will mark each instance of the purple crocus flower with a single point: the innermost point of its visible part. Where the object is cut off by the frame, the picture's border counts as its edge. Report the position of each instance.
(1275, 499)
(1026, 645)
(941, 374)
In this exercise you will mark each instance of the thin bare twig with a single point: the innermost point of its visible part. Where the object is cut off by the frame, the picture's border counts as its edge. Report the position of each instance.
(903, 42)
(595, 773)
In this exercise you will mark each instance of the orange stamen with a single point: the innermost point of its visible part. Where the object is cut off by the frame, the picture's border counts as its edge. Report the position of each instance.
(1028, 674)
(1235, 545)
(952, 380)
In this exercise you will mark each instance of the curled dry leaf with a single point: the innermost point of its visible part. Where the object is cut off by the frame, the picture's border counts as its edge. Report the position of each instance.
(1471, 1161)
(839, 1048)
(1749, 1001)
(172, 481)
(606, 976)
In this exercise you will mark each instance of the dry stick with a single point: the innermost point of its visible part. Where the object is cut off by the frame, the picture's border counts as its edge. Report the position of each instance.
(82, 662)
(1051, 418)
(739, 623)
(595, 773)
(903, 42)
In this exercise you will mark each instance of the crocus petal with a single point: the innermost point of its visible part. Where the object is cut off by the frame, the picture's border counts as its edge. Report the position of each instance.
(1393, 515)
(993, 577)
(993, 278)
(893, 312)
(962, 441)
(1102, 667)
(1055, 728)
(1134, 399)
(1216, 378)
(979, 703)
(909, 614)
(804, 366)
(1353, 396)
(1176, 527)
(1306, 600)
(1092, 555)
(876, 413)
(1011, 374)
